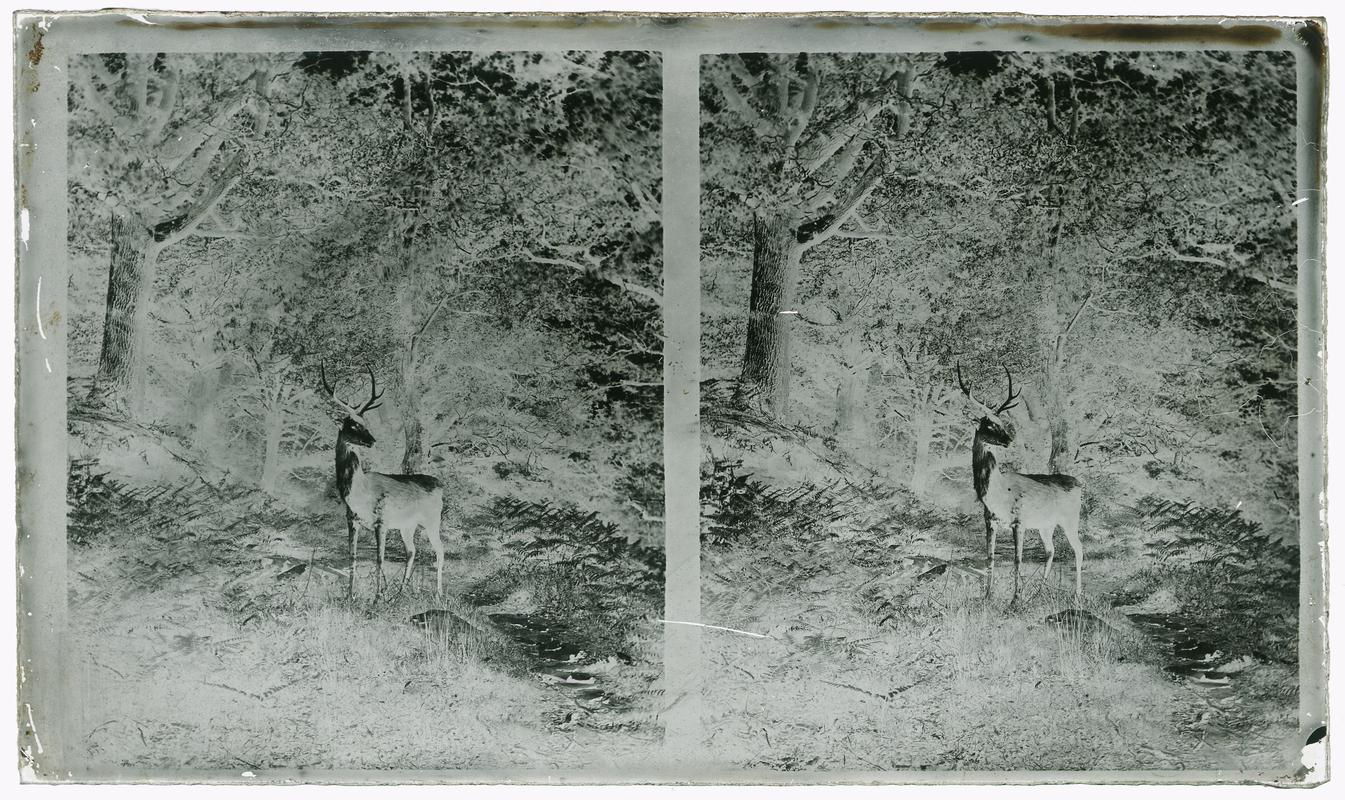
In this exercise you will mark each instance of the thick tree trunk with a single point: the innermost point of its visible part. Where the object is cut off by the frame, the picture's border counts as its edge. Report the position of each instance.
(1055, 288)
(1062, 451)
(130, 276)
(775, 266)
(413, 459)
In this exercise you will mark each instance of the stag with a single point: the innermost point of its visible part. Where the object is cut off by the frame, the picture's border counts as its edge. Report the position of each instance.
(407, 503)
(1020, 501)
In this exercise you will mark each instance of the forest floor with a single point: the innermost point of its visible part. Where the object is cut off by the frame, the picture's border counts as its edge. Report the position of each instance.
(883, 658)
(209, 629)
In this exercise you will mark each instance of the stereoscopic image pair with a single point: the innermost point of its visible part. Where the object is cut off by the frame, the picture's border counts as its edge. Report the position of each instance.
(999, 389)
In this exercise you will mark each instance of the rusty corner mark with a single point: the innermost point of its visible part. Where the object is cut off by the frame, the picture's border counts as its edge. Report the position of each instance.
(1158, 32)
(35, 52)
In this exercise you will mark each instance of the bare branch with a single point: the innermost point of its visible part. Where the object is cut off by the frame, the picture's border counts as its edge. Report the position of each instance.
(803, 112)
(856, 119)
(137, 76)
(739, 68)
(830, 225)
(739, 103)
(95, 98)
(191, 138)
(157, 118)
(174, 230)
(615, 280)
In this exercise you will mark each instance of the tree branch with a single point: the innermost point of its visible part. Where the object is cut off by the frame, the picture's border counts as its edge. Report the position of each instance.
(814, 233)
(803, 112)
(192, 138)
(178, 228)
(616, 280)
(161, 112)
(739, 104)
(854, 120)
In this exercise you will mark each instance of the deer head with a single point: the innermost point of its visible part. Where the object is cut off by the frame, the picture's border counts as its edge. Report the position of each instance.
(992, 428)
(354, 429)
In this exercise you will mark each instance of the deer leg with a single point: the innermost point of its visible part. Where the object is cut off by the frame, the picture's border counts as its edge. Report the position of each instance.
(436, 544)
(353, 530)
(1048, 541)
(381, 539)
(1072, 534)
(989, 554)
(1017, 527)
(409, 542)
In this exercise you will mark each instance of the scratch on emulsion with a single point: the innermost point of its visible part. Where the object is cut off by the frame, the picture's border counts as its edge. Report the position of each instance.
(37, 304)
(32, 726)
(713, 627)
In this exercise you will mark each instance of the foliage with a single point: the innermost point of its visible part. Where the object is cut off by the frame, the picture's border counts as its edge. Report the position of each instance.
(581, 567)
(1229, 572)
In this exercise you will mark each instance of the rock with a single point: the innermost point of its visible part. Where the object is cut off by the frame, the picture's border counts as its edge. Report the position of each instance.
(932, 573)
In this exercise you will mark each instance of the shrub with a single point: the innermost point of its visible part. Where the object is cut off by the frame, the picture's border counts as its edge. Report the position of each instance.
(1229, 571)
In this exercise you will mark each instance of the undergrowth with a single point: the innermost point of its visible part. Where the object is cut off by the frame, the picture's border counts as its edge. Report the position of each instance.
(579, 567)
(1228, 572)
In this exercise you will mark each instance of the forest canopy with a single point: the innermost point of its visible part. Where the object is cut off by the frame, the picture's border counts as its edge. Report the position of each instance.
(480, 231)
(1116, 229)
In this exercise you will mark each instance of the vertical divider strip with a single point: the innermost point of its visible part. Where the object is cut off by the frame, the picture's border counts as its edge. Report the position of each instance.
(681, 410)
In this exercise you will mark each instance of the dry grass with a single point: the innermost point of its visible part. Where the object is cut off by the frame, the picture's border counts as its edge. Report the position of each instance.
(955, 683)
(333, 686)
(224, 641)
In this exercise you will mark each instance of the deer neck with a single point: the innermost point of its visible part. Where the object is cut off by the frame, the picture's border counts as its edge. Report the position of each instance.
(351, 482)
(347, 466)
(984, 469)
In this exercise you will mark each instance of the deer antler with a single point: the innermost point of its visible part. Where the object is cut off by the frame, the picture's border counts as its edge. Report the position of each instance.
(374, 394)
(331, 392)
(369, 405)
(1012, 400)
(962, 384)
(1009, 402)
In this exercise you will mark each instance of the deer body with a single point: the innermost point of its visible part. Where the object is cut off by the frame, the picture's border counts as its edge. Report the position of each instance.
(410, 504)
(1019, 501)
(1022, 503)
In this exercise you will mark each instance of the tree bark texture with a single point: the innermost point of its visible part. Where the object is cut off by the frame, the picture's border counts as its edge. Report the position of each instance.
(1054, 290)
(413, 458)
(775, 267)
(1062, 452)
(130, 275)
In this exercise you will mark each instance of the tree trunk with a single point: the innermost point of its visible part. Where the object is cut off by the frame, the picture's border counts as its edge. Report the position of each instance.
(203, 403)
(845, 406)
(923, 431)
(1062, 452)
(413, 459)
(851, 393)
(775, 266)
(274, 425)
(1055, 286)
(130, 276)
